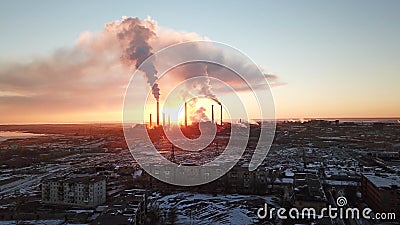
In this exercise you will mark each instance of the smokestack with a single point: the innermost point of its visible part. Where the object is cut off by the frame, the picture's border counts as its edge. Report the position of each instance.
(150, 121)
(221, 114)
(185, 114)
(212, 113)
(158, 113)
(163, 119)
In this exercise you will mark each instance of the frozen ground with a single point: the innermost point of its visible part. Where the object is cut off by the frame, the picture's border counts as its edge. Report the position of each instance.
(213, 209)
(33, 222)
(5, 135)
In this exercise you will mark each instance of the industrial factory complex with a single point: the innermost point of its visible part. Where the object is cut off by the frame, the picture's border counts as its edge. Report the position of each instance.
(167, 121)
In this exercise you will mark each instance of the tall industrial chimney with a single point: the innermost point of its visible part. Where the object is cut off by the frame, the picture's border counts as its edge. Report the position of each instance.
(212, 113)
(185, 114)
(151, 122)
(221, 114)
(163, 119)
(158, 113)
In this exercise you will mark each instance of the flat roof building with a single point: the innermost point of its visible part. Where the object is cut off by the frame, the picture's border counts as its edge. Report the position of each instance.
(381, 192)
(74, 191)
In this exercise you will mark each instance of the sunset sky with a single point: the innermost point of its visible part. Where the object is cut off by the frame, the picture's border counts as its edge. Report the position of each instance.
(331, 59)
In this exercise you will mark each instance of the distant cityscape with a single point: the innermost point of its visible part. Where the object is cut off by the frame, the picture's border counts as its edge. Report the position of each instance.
(85, 174)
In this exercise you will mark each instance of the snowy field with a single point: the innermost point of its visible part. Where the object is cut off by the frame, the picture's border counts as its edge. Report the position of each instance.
(213, 209)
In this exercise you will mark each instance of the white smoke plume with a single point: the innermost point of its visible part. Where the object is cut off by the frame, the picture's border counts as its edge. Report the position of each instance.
(199, 115)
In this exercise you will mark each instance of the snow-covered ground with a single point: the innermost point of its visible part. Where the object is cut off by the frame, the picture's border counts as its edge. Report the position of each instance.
(213, 209)
(33, 222)
(5, 135)
(28, 182)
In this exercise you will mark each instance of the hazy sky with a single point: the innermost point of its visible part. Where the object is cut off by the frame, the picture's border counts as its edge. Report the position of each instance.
(336, 58)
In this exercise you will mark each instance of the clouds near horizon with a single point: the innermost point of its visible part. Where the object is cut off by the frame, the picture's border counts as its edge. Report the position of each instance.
(88, 78)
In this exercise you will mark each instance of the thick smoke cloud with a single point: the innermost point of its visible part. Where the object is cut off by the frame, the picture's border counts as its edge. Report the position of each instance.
(137, 36)
(89, 78)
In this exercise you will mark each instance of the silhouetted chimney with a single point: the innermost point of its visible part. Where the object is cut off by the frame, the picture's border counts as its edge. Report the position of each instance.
(158, 113)
(150, 121)
(185, 114)
(212, 113)
(221, 114)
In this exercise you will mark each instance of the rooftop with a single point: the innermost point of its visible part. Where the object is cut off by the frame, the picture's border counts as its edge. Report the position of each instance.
(77, 179)
(385, 181)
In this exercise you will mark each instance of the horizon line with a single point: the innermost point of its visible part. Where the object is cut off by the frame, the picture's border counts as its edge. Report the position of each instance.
(137, 122)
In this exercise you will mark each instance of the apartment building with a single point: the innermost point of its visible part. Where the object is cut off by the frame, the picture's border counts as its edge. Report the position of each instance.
(75, 191)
